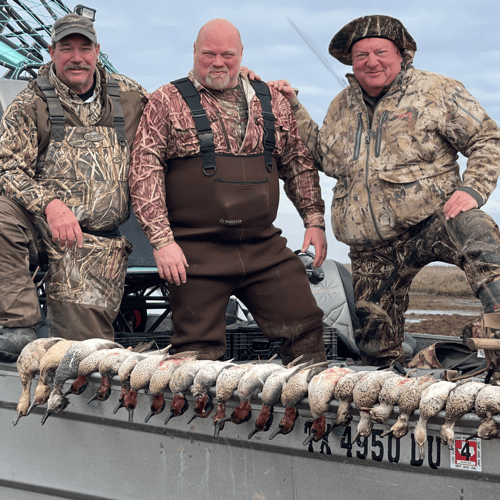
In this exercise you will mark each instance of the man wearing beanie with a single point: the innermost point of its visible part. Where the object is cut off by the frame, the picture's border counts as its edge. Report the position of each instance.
(391, 140)
(64, 158)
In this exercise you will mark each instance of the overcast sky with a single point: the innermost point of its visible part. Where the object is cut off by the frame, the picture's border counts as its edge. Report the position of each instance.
(152, 42)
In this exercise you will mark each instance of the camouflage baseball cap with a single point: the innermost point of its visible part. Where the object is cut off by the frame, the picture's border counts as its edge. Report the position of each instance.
(375, 26)
(73, 24)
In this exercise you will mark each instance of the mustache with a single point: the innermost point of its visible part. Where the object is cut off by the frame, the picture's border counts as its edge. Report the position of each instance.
(76, 66)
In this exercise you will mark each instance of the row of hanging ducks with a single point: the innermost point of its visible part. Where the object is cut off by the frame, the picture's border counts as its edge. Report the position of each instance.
(373, 393)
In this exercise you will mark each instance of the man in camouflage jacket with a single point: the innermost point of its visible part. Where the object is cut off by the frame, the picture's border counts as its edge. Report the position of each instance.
(64, 159)
(391, 140)
(211, 223)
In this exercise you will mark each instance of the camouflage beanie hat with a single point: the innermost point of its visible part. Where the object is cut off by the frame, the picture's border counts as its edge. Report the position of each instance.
(375, 26)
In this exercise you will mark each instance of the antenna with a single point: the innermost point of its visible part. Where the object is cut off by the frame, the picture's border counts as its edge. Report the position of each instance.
(318, 54)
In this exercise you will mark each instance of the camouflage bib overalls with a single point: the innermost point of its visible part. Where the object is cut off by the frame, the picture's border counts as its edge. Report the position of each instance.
(87, 167)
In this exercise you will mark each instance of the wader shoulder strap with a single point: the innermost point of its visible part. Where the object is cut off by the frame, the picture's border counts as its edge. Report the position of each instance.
(56, 113)
(118, 119)
(264, 96)
(205, 135)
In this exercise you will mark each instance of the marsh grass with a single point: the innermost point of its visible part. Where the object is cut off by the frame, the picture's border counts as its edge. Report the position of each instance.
(440, 280)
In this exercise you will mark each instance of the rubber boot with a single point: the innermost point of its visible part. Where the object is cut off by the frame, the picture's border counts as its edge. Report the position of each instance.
(12, 341)
(489, 295)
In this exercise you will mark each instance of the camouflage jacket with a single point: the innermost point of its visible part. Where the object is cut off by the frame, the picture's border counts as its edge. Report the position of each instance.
(399, 169)
(167, 131)
(25, 135)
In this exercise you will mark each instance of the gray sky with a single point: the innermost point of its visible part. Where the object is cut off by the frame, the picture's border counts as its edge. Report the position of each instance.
(152, 41)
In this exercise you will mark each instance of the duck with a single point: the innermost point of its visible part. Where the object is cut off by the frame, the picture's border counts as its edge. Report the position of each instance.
(110, 364)
(320, 392)
(28, 365)
(68, 369)
(249, 387)
(124, 371)
(140, 378)
(161, 377)
(409, 400)
(48, 365)
(87, 367)
(271, 394)
(179, 383)
(460, 401)
(343, 394)
(203, 381)
(365, 396)
(486, 405)
(433, 400)
(225, 385)
(388, 397)
(294, 391)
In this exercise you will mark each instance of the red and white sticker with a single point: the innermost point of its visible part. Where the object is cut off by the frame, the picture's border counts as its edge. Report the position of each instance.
(466, 454)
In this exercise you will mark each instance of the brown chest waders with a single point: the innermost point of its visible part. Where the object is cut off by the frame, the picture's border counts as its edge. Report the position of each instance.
(221, 211)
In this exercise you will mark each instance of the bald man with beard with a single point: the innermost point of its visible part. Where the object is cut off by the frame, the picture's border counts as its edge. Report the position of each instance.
(204, 181)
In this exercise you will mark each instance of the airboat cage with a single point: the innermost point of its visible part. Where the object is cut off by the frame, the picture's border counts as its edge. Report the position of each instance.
(25, 35)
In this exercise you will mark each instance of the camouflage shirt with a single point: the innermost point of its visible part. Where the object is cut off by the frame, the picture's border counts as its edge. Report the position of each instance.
(25, 132)
(167, 131)
(398, 166)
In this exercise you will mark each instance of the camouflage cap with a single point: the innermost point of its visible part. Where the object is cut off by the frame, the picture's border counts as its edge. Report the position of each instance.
(73, 24)
(374, 26)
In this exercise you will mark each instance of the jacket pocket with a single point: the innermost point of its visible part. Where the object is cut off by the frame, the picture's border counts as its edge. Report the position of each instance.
(413, 195)
(185, 136)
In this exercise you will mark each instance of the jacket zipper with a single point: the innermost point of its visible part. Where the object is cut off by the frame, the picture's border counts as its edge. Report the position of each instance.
(378, 140)
(454, 99)
(367, 167)
(224, 131)
(359, 133)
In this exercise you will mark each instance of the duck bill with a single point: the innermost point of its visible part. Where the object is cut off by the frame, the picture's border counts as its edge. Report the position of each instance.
(46, 416)
(253, 431)
(473, 436)
(386, 433)
(131, 414)
(16, 420)
(148, 416)
(93, 398)
(118, 406)
(192, 418)
(172, 414)
(308, 439)
(279, 430)
(32, 405)
(219, 425)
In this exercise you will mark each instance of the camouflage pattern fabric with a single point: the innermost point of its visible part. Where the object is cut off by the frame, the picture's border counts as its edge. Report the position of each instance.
(375, 26)
(395, 170)
(88, 171)
(426, 358)
(167, 131)
(382, 277)
(92, 275)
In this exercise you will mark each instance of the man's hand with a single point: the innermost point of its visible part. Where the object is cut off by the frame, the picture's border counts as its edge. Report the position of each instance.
(460, 201)
(63, 224)
(317, 238)
(171, 263)
(282, 86)
(249, 73)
